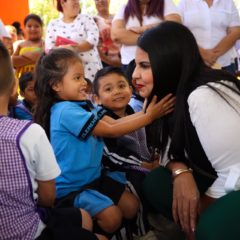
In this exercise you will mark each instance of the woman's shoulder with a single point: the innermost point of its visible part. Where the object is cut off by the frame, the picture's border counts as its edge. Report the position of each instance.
(120, 13)
(81, 17)
(205, 95)
(55, 22)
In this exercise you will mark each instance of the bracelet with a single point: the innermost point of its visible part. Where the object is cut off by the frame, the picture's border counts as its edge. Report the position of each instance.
(179, 171)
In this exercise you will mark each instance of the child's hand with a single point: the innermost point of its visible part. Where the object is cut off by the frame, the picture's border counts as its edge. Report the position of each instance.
(161, 108)
(150, 165)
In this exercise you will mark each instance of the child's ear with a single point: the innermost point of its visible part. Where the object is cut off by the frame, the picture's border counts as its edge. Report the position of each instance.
(56, 86)
(96, 99)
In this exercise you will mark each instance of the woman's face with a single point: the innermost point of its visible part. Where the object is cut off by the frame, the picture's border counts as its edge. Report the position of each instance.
(142, 75)
(71, 7)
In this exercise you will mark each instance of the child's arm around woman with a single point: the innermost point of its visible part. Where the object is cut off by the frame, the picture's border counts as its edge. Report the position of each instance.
(109, 127)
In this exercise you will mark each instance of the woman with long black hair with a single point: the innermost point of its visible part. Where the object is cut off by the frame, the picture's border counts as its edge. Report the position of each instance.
(198, 185)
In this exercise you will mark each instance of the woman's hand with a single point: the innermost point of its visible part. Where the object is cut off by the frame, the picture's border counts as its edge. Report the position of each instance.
(185, 202)
(209, 56)
(137, 30)
(161, 108)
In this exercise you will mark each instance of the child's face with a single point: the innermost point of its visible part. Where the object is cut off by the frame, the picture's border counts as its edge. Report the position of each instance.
(142, 75)
(73, 85)
(114, 92)
(29, 93)
(33, 30)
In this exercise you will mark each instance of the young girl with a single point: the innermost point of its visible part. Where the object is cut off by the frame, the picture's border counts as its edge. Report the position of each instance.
(75, 127)
(28, 51)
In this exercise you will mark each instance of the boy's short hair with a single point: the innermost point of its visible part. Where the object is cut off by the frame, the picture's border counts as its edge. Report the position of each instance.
(24, 80)
(6, 70)
(104, 72)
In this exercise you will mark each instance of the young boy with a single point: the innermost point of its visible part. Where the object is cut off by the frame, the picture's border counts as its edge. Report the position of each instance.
(24, 108)
(113, 92)
(27, 171)
(126, 157)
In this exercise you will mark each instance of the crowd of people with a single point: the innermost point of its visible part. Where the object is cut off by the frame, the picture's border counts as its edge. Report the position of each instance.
(111, 120)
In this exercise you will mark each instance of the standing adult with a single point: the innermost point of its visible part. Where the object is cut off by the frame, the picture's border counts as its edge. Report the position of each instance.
(216, 27)
(134, 18)
(108, 50)
(199, 186)
(76, 31)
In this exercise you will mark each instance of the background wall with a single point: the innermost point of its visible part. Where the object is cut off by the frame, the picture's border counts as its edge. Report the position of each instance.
(13, 10)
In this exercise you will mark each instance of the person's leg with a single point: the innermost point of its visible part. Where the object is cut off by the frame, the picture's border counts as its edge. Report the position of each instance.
(157, 190)
(129, 205)
(109, 219)
(102, 209)
(87, 222)
(220, 220)
(65, 223)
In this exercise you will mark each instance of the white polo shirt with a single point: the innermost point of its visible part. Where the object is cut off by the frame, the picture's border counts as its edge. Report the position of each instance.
(128, 51)
(210, 25)
(217, 125)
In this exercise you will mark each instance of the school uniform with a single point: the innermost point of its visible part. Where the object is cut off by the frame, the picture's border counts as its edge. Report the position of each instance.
(79, 155)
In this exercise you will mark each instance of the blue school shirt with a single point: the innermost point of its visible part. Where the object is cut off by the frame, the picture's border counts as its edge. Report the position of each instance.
(78, 152)
(23, 110)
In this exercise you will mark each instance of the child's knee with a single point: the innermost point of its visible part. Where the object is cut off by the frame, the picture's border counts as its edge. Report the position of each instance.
(129, 205)
(109, 219)
(87, 222)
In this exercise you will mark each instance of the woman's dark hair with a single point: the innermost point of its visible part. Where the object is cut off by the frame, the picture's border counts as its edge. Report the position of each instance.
(59, 5)
(34, 17)
(177, 68)
(104, 72)
(154, 8)
(50, 69)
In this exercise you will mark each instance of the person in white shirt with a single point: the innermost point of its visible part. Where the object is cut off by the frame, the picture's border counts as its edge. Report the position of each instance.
(82, 33)
(134, 18)
(108, 50)
(198, 188)
(216, 27)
